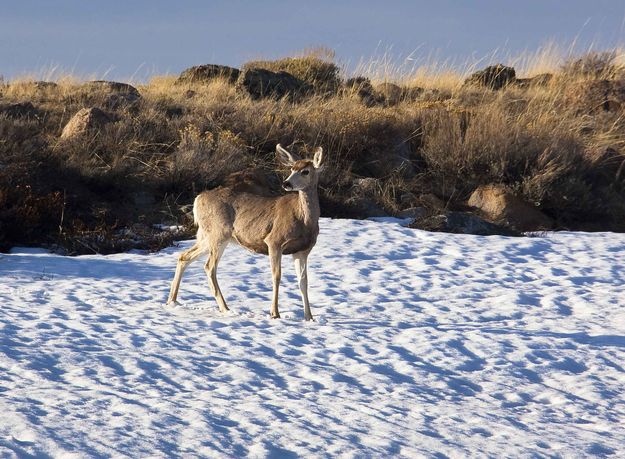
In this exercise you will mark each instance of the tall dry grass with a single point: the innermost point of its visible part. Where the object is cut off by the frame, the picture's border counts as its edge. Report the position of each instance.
(540, 141)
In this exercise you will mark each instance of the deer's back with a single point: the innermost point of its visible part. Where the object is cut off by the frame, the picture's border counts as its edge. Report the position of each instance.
(253, 220)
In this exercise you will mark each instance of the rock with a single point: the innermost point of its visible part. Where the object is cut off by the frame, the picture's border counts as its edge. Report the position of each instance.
(412, 93)
(84, 121)
(322, 75)
(500, 206)
(363, 88)
(493, 77)
(19, 110)
(435, 95)
(462, 223)
(542, 79)
(44, 85)
(261, 83)
(389, 93)
(114, 87)
(208, 72)
(365, 207)
(116, 94)
(174, 112)
(592, 96)
(413, 213)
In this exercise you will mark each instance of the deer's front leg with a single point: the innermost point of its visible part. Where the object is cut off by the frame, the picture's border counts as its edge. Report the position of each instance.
(275, 257)
(301, 269)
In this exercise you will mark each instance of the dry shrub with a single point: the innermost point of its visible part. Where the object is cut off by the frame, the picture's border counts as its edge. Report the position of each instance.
(203, 159)
(316, 70)
(600, 65)
(179, 139)
(531, 149)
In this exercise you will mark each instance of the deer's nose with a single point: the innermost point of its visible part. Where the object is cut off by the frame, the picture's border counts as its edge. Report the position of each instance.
(287, 185)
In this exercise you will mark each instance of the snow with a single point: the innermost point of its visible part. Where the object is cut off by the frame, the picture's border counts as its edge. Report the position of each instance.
(425, 344)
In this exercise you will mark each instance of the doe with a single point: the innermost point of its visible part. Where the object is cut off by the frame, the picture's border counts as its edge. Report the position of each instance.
(270, 225)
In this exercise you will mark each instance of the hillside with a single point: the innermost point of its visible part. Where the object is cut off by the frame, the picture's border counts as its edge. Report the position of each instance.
(90, 166)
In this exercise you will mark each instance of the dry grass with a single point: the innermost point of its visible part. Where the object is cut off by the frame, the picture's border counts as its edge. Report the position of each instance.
(181, 138)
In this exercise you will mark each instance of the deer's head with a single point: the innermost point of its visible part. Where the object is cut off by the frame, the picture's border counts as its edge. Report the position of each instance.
(304, 172)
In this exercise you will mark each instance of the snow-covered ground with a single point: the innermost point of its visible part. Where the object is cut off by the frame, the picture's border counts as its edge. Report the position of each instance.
(425, 343)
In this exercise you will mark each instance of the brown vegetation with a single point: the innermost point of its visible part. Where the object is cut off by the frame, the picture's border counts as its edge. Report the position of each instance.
(544, 142)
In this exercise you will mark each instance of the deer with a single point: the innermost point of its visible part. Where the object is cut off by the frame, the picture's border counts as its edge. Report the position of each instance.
(270, 225)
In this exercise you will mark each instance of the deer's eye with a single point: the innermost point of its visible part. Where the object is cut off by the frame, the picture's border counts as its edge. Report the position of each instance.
(305, 172)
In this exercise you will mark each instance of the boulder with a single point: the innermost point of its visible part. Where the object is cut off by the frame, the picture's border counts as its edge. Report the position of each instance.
(412, 93)
(116, 94)
(363, 88)
(460, 223)
(389, 93)
(413, 213)
(174, 112)
(364, 207)
(260, 83)
(362, 198)
(43, 85)
(435, 95)
(84, 121)
(492, 77)
(501, 206)
(592, 96)
(208, 72)
(542, 80)
(19, 110)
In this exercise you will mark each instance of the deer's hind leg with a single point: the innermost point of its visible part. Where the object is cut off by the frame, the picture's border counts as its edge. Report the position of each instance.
(275, 258)
(217, 248)
(184, 259)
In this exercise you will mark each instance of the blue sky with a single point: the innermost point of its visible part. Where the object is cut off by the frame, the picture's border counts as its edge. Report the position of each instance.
(142, 38)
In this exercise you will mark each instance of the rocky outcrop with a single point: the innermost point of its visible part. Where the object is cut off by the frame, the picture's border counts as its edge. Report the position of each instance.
(362, 198)
(541, 80)
(593, 96)
(500, 206)
(86, 120)
(389, 93)
(115, 94)
(208, 72)
(261, 83)
(460, 223)
(362, 87)
(19, 110)
(492, 77)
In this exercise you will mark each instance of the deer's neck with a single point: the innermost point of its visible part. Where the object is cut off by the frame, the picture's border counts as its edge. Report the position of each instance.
(309, 206)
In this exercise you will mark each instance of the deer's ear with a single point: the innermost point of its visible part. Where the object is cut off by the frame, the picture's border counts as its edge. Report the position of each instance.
(318, 158)
(286, 158)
